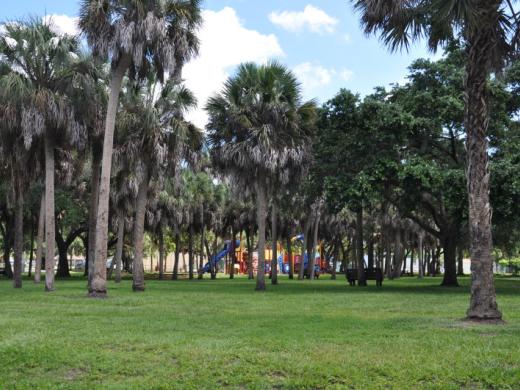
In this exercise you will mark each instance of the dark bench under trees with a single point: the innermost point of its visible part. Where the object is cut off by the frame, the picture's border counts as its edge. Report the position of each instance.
(370, 274)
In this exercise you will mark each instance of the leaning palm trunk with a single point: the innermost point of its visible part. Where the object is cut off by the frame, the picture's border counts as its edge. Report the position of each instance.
(18, 233)
(261, 199)
(49, 214)
(94, 197)
(119, 247)
(98, 284)
(138, 268)
(39, 241)
(483, 303)
(274, 239)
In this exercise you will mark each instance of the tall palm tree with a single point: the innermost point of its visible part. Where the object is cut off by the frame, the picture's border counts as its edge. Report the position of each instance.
(490, 30)
(134, 34)
(14, 91)
(155, 132)
(45, 60)
(258, 129)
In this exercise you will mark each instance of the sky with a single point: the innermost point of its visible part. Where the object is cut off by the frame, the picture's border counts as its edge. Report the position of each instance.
(320, 40)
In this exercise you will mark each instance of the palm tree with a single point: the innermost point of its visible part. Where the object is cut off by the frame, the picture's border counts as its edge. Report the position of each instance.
(257, 130)
(45, 60)
(491, 33)
(134, 34)
(155, 133)
(14, 90)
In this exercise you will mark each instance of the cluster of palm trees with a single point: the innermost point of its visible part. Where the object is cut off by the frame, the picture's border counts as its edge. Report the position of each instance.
(119, 109)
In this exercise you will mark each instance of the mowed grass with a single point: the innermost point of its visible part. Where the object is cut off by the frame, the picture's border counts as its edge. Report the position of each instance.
(222, 334)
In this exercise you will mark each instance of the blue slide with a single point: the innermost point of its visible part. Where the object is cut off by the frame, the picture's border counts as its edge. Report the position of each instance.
(219, 256)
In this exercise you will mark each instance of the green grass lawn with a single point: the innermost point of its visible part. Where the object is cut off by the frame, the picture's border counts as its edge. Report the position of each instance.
(221, 334)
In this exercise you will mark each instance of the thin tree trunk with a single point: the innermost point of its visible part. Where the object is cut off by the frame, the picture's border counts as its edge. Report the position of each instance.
(250, 273)
(399, 254)
(274, 244)
(140, 211)
(50, 236)
(201, 258)
(232, 254)
(421, 256)
(312, 259)
(190, 251)
(261, 198)
(460, 261)
(161, 254)
(335, 253)
(290, 256)
(18, 234)
(39, 241)
(31, 253)
(119, 246)
(99, 282)
(359, 248)
(94, 197)
(370, 250)
(175, 275)
(63, 263)
(306, 228)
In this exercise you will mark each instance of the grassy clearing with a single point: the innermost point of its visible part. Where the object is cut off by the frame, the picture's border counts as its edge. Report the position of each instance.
(221, 334)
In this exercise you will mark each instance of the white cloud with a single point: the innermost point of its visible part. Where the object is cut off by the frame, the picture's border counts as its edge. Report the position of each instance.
(63, 24)
(312, 18)
(315, 76)
(225, 43)
(346, 74)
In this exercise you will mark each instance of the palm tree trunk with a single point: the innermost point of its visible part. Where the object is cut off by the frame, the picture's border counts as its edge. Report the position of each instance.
(94, 197)
(261, 210)
(39, 241)
(483, 305)
(306, 228)
(335, 253)
(250, 273)
(18, 233)
(177, 254)
(201, 258)
(140, 212)
(99, 281)
(119, 246)
(359, 248)
(49, 214)
(190, 251)
(290, 255)
(274, 239)
(161, 253)
(232, 254)
(312, 258)
(31, 249)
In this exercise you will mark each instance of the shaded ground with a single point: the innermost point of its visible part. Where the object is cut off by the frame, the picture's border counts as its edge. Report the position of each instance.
(221, 334)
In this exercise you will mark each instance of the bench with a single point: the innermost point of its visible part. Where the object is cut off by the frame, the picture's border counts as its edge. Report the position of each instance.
(370, 274)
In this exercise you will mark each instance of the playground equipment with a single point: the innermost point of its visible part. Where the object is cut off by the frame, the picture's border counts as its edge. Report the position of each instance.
(284, 261)
(220, 256)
